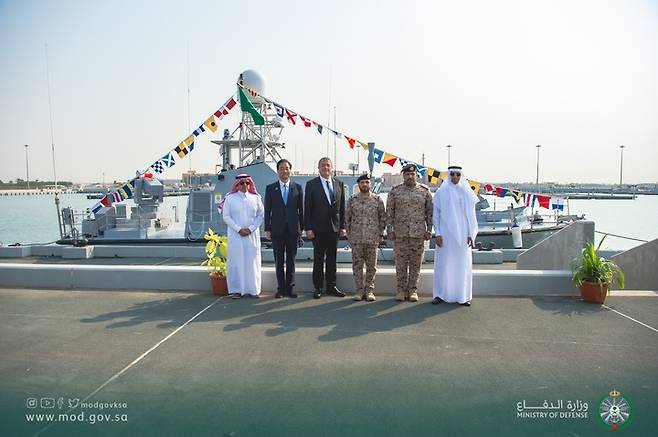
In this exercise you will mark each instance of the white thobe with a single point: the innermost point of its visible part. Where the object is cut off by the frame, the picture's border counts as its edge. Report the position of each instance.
(454, 219)
(243, 210)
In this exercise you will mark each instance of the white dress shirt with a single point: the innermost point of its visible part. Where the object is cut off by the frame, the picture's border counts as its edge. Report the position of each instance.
(284, 184)
(326, 190)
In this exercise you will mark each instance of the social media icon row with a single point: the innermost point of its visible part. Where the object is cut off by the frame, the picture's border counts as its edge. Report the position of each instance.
(50, 403)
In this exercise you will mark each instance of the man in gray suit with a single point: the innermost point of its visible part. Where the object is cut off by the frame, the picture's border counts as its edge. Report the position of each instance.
(324, 221)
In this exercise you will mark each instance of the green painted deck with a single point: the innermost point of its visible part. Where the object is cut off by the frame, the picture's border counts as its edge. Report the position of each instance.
(328, 367)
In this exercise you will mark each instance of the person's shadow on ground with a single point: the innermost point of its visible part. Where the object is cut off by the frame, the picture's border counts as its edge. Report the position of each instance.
(173, 311)
(345, 317)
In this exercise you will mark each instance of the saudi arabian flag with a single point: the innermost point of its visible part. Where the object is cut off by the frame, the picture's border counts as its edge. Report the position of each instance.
(246, 106)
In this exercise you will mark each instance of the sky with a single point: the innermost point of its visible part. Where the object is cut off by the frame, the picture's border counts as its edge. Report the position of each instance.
(491, 78)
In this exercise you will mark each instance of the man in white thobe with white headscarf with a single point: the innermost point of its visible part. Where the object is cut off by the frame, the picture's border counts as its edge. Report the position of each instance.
(455, 227)
(243, 213)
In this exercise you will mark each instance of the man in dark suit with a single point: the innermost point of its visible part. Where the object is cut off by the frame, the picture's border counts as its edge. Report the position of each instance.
(324, 221)
(284, 203)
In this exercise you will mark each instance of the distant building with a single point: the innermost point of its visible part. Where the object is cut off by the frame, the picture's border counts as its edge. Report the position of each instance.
(392, 179)
(191, 178)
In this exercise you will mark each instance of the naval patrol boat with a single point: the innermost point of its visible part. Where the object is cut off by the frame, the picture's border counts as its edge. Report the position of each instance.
(252, 149)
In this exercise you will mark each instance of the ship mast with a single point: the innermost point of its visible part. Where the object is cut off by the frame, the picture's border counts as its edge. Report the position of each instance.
(255, 143)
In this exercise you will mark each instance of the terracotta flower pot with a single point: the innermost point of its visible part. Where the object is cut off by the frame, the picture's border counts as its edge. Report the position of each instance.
(594, 292)
(219, 285)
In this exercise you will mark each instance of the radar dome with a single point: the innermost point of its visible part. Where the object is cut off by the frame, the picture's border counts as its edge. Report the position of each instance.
(254, 81)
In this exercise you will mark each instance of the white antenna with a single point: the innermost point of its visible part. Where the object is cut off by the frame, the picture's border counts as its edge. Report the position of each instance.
(189, 125)
(50, 110)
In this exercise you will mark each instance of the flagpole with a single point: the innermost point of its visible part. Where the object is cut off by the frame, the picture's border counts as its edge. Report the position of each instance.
(329, 109)
(50, 111)
(335, 159)
(189, 125)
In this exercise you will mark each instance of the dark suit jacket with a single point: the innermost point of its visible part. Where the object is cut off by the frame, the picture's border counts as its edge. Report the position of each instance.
(319, 214)
(278, 215)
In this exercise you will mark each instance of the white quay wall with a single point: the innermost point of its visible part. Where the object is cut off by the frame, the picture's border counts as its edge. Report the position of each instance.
(192, 278)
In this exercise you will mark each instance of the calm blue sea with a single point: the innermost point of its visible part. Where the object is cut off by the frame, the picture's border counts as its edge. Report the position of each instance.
(33, 219)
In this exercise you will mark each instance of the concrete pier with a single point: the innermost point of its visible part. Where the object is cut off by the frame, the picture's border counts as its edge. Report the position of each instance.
(173, 364)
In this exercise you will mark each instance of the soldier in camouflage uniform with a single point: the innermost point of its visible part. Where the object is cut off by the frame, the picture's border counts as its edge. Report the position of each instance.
(409, 210)
(365, 221)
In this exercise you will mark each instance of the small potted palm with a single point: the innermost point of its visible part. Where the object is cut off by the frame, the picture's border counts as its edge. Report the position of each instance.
(594, 275)
(216, 261)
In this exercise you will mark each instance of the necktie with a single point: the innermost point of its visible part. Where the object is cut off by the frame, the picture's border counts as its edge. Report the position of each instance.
(331, 192)
(285, 194)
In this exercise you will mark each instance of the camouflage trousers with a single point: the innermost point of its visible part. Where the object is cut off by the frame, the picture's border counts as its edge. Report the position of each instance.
(408, 253)
(364, 254)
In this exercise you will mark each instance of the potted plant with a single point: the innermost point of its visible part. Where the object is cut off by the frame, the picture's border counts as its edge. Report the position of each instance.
(595, 274)
(216, 261)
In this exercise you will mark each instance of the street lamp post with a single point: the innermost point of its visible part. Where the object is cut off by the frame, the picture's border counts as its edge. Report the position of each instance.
(621, 165)
(537, 180)
(448, 147)
(27, 168)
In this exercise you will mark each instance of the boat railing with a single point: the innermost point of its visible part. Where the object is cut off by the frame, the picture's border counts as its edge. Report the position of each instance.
(197, 224)
(507, 219)
(621, 236)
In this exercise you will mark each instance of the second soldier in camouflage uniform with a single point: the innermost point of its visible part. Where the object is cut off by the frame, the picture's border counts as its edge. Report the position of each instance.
(409, 210)
(365, 221)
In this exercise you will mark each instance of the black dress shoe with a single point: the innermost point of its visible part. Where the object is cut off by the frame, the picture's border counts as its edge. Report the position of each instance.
(466, 304)
(278, 294)
(292, 294)
(317, 294)
(437, 300)
(335, 292)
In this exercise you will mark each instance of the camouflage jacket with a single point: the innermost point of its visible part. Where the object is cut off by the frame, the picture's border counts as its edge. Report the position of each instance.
(365, 219)
(409, 211)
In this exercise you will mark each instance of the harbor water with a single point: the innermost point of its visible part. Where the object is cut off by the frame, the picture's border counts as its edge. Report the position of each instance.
(33, 219)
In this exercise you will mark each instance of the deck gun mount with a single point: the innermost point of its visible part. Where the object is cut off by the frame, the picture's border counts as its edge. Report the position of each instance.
(149, 194)
(112, 222)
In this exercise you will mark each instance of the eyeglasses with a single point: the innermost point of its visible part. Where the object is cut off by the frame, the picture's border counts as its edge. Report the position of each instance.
(244, 183)
(455, 173)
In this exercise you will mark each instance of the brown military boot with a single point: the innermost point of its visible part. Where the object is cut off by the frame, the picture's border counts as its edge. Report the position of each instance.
(413, 296)
(358, 296)
(400, 296)
(370, 296)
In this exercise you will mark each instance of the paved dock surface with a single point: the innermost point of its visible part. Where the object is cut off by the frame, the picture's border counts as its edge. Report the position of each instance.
(193, 364)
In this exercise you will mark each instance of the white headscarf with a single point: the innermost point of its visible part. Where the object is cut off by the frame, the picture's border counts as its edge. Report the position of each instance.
(450, 197)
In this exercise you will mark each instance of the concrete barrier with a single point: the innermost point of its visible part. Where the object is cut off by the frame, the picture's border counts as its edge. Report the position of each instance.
(511, 255)
(120, 251)
(496, 256)
(557, 251)
(192, 278)
(47, 250)
(72, 252)
(640, 266)
(15, 251)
